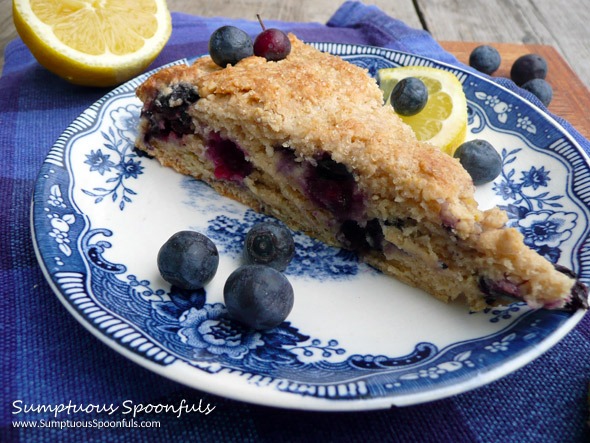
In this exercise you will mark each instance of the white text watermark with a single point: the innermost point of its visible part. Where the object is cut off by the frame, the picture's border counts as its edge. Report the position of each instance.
(127, 408)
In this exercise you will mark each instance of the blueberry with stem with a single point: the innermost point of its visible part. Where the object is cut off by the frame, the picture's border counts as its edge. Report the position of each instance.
(272, 44)
(269, 244)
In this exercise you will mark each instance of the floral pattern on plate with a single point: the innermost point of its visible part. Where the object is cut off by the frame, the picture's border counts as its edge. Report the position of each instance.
(349, 343)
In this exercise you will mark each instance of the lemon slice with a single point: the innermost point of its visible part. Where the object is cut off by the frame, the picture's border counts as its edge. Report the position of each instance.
(93, 43)
(443, 121)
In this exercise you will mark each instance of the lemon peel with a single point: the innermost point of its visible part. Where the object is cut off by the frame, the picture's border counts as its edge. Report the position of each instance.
(443, 121)
(93, 43)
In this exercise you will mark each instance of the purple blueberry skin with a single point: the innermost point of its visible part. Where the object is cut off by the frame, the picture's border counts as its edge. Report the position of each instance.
(528, 67)
(188, 260)
(485, 59)
(540, 89)
(361, 238)
(480, 160)
(228, 45)
(167, 112)
(579, 292)
(409, 96)
(269, 244)
(498, 290)
(328, 184)
(258, 296)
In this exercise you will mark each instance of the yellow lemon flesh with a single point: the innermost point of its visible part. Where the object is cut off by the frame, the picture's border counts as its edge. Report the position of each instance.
(93, 43)
(443, 121)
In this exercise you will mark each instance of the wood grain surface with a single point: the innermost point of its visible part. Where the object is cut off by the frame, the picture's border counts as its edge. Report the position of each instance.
(289, 10)
(562, 24)
(571, 98)
(558, 30)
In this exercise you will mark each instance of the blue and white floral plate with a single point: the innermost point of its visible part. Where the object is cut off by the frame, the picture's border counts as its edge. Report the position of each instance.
(356, 339)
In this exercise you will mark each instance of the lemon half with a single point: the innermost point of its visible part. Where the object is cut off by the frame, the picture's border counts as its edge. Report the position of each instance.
(93, 43)
(443, 121)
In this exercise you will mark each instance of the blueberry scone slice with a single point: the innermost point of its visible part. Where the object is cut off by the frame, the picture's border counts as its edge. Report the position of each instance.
(308, 140)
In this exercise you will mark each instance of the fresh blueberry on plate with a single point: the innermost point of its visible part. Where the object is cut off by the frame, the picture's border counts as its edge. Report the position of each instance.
(258, 296)
(188, 260)
(270, 244)
(480, 160)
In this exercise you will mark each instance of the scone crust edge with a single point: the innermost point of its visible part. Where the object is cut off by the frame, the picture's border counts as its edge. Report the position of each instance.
(281, 103)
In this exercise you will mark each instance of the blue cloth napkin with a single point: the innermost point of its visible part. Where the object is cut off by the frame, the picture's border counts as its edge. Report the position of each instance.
(50, 359)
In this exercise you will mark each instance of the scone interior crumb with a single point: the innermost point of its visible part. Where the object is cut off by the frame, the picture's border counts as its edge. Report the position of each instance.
(308, 140)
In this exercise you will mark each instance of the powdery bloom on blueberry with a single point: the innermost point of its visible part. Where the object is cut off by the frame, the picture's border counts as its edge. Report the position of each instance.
(210, 329)
(543, 228)
(99, 162)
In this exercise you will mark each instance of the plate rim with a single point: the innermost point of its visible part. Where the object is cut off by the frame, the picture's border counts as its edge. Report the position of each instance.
(287, 400)
(322, 404)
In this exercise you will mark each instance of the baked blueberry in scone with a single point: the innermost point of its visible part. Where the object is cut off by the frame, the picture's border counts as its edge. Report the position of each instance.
(308, 140)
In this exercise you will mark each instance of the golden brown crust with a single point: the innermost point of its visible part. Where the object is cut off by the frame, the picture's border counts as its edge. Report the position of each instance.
(313, 102)
(322, 101)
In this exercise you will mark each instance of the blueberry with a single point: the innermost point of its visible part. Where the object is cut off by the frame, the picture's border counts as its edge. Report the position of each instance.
(168, 112)
(498, 290)
(188, 260)
(579, 292)
(358, 238)
(541, 89)
(269, 244)
(528, 67)
(330, 169)
(258, 296)
(480, 159)
(409, 96)
(485, 59)
(272, 44)
(228, 45)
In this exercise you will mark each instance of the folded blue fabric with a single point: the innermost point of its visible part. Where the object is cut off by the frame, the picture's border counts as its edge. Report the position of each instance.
(49, 359)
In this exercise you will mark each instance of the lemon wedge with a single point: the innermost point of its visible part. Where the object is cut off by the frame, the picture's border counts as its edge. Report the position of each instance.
(93, 43)
(443, 121)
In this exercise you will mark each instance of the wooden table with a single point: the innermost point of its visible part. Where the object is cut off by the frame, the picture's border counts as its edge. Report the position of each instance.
(557, 29)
